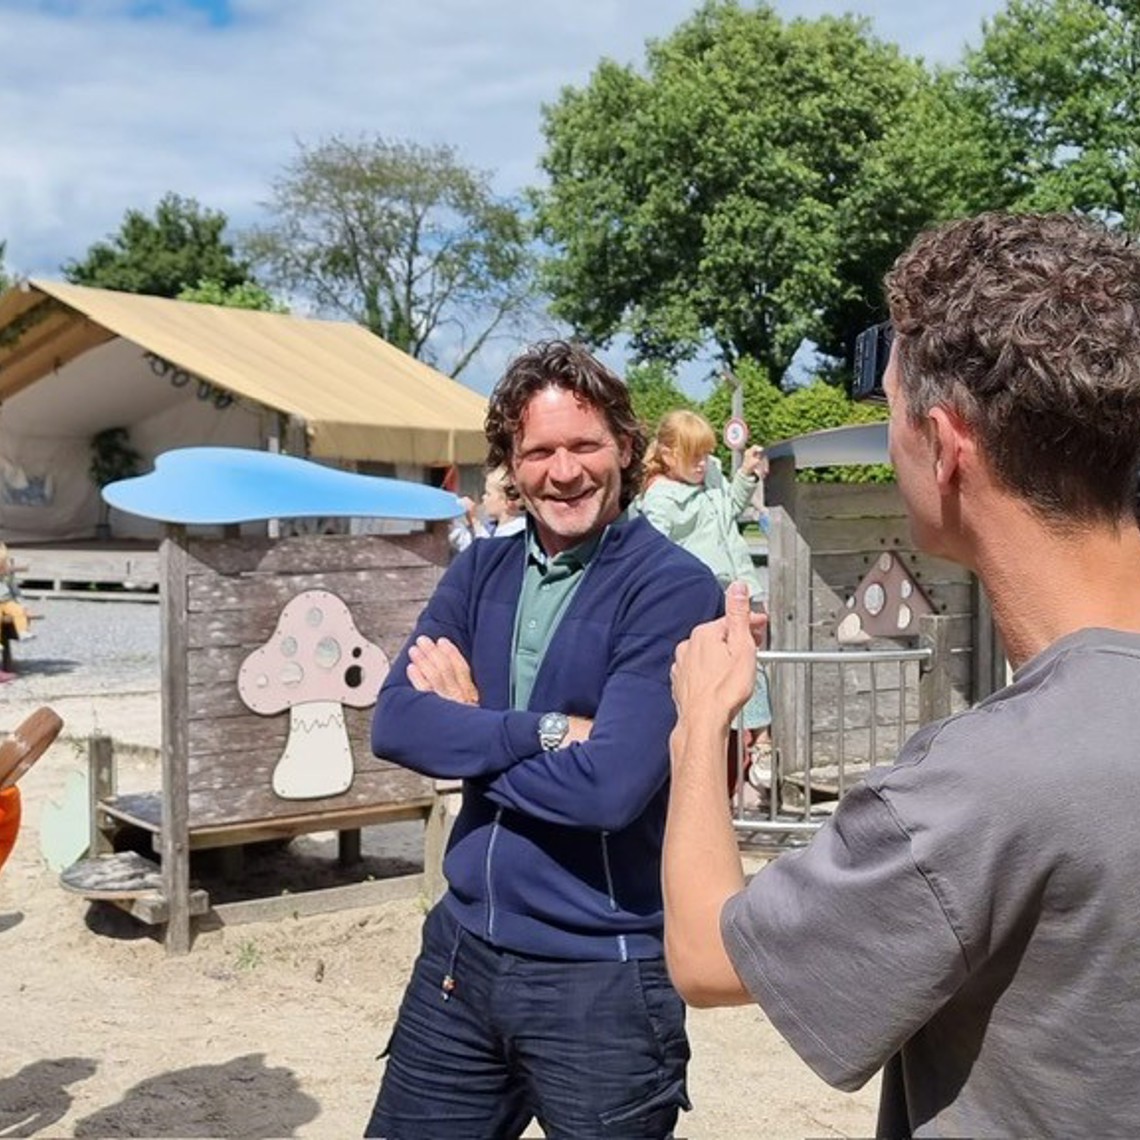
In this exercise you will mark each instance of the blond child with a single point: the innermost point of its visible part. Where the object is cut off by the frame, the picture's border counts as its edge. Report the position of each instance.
(687, 497)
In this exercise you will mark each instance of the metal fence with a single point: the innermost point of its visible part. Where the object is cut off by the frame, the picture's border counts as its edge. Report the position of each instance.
(783, 799)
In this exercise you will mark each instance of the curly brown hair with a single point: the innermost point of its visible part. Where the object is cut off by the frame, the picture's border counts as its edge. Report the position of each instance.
(1028, 326)
(570, 366)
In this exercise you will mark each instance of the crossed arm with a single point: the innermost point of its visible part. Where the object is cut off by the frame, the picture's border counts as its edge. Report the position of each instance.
(437, 666)
(615, 760)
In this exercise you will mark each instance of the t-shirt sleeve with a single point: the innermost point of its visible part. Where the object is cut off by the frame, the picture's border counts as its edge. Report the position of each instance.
(845, 944)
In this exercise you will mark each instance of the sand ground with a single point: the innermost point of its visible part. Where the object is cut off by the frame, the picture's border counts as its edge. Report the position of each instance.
(266, 1029)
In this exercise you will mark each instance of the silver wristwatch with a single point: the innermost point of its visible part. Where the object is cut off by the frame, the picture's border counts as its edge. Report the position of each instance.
(552, 730)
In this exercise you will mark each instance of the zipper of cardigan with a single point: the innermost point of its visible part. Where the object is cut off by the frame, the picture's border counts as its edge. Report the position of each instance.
(623, 950)
(487, 875)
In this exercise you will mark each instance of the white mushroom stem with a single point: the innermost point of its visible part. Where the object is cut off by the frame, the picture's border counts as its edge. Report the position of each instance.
(317, 760)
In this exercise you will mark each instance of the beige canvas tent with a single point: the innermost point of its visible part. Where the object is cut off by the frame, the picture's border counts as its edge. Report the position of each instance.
(75, 361)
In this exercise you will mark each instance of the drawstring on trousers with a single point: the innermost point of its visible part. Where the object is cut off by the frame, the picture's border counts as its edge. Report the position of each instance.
(447, 986)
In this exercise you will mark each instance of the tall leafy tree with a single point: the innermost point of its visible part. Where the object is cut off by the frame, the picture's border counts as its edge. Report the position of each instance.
(5, 279)
(709, 200)
(938, 159)
(402, 238)
(182, 245)
(1060, 83)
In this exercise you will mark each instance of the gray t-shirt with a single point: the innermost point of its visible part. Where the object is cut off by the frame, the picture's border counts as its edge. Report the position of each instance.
(971, 915)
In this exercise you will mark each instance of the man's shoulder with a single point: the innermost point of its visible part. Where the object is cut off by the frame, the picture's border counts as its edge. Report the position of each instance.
(641, 540)
(649, 565)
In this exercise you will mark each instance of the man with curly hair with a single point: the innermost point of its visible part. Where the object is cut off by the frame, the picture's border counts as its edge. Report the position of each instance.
(539, 675)
(967, 921)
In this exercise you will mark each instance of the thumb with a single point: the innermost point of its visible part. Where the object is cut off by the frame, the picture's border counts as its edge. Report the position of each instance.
(737, 606)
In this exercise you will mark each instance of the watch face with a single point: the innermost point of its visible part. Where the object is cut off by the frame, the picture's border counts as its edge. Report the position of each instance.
(552, 729)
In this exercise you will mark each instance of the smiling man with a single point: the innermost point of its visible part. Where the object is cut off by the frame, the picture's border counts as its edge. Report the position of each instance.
(967, 921)
(539, 674)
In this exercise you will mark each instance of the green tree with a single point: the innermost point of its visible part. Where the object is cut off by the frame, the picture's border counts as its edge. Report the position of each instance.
(818, 406)
(653, 391)
(182, 245)
(403, 239)
(247, 295)
(937, 159)
(1060, 83)
(707, 203)
(5, 279)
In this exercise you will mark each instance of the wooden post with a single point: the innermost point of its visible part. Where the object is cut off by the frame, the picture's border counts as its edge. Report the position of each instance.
(173, 563)
(789, 608)
(934, 682)
(100, 787)
(348, 847)
(436, 827)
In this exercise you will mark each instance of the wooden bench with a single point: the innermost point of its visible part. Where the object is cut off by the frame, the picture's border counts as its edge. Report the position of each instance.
(136, 884)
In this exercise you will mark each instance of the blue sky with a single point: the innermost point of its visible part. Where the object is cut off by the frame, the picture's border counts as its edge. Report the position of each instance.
(106, 105)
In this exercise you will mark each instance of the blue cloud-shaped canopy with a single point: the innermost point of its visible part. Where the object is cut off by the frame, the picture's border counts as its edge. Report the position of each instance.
(218, 485)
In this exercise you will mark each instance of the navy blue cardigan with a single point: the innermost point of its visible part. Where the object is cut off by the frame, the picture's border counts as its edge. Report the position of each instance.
(556, 854)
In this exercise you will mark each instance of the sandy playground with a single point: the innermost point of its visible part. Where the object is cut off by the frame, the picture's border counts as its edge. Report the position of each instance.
(267, 1029)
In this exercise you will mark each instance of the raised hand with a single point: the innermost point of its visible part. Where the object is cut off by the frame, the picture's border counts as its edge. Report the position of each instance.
(714, 672)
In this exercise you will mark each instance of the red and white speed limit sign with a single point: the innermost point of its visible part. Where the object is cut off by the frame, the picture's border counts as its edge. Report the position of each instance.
(735, 434)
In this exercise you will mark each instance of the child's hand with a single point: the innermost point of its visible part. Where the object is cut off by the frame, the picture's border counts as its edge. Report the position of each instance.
(755, 462)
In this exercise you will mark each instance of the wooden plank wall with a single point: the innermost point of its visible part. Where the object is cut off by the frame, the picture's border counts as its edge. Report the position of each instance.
(847, 528)
(234, 592)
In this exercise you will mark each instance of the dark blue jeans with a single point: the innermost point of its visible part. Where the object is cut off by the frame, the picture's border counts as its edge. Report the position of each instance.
(590, 1049)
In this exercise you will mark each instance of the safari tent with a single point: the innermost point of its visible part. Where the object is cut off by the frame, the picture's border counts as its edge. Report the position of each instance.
(76, 361)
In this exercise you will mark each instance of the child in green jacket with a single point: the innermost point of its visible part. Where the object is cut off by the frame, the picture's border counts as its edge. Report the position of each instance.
(687, 497)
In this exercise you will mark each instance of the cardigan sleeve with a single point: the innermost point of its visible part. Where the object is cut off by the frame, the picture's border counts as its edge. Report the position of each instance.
(435, 735)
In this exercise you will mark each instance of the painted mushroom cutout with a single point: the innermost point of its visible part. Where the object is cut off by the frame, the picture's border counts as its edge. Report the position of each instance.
(315, 662)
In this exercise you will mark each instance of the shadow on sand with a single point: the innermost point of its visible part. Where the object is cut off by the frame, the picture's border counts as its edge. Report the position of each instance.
(37, 1097)
(240, 1098)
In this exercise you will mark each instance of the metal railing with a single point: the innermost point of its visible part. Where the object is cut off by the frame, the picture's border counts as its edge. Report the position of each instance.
(812, 767)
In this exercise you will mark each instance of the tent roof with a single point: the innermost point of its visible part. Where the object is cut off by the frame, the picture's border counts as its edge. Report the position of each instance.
(360, 397)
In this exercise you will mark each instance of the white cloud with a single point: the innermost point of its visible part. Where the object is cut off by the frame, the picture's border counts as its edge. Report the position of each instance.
(99, 114)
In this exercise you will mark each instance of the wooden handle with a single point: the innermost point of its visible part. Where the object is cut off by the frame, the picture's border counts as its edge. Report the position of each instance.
(27, 744)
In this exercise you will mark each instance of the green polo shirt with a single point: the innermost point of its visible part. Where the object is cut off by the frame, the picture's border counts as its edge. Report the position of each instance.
(548, 585)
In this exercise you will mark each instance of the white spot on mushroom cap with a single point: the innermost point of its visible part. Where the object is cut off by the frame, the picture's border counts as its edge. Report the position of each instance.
(314, 616)
(289, 646)
(327, 652)
(291, 673)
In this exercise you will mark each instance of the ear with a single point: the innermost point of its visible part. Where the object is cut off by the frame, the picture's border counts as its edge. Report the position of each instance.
(952, 443)
(625, 451)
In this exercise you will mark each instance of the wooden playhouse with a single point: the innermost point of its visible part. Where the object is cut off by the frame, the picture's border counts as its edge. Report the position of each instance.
(272, 653)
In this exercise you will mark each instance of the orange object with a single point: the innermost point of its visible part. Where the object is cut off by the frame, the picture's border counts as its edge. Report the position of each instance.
(9, 821)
